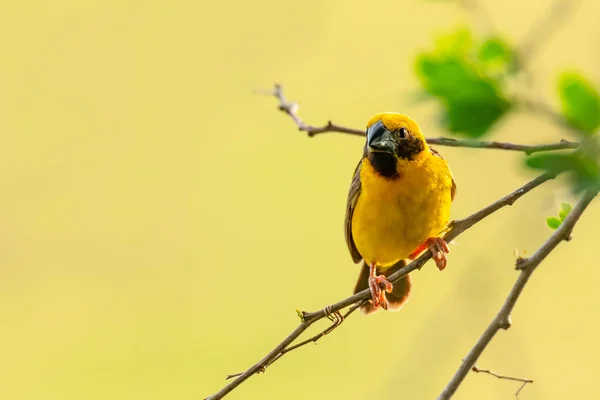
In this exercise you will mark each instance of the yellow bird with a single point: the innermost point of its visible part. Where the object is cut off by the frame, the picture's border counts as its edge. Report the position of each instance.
(398, 205)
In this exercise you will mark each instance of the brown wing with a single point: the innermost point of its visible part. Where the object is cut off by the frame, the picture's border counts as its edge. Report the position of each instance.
(453, 189)
(353, 194)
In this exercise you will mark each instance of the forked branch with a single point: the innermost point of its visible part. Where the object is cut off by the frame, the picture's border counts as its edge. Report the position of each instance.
(309, 318)
(527, 266)
(502, 320)
(524, 381)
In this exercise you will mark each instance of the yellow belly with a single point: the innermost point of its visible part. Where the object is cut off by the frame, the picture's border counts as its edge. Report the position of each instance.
(393, 217)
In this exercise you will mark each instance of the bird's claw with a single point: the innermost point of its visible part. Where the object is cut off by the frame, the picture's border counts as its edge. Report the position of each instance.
(439, 248)
(334, 316)
(378, 284)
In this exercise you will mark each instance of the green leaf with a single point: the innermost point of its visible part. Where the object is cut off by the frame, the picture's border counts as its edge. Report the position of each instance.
(553, 162)
(457, 42)
(460, 75)
(580, 102)
(587, 175)
(553, 222)
(584, 172)
(472, 101)
(496, 51)
(565, 209)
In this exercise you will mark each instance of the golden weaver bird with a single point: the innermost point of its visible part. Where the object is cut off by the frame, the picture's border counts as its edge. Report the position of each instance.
(398, 205)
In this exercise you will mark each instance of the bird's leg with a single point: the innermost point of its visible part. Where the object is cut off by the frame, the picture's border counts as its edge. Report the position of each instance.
(377, 285)
(438, 248)
(418, 251)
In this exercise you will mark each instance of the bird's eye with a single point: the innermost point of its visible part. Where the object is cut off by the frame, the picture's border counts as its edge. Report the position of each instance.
(403, 133)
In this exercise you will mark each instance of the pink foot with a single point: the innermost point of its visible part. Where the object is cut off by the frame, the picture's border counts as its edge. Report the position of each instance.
(377, 285)
(439, 248)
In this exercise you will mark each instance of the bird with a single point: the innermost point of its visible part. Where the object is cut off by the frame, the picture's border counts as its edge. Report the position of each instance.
(398, 206)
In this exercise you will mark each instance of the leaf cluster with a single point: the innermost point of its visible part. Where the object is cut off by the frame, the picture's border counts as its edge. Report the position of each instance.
(469, 77)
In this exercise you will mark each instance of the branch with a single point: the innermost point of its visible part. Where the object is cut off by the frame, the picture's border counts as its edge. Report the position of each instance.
(527, 266)
(546, 112)
(524, 381)
(479, 14)
(291, 109)
(527, 149)
(544, 27)
(336, 318)
(308, 318)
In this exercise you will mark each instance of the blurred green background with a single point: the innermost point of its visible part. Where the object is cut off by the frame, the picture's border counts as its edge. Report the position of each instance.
(159, 222)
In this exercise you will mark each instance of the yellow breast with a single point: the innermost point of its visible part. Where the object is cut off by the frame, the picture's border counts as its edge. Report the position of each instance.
(393, 217)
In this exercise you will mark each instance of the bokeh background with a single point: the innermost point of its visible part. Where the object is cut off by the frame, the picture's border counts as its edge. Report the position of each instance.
(160, 222)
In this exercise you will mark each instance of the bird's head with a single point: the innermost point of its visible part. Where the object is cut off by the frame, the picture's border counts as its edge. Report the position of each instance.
(396, 135)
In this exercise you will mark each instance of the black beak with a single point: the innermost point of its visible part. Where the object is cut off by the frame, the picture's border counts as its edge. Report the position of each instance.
(380, 139)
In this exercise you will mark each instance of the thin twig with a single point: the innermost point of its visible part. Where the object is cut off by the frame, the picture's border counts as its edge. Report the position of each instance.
(478, 370)
(549, 23)
(480, 14)
(524, 381)
(527, 266)
(231, 376)
(336, 322)
(291, 109)
(456, 228)
(519, 390)
(548, 113)
(527, 149)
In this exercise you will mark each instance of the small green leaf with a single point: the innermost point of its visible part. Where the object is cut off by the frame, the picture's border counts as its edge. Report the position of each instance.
(580, 102)
(300, 314)
(565, 209)
(553, 222)
(496, 50)
(457, 42)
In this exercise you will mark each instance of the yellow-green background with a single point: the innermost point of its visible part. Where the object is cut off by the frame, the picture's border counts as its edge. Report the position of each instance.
(159, 222)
